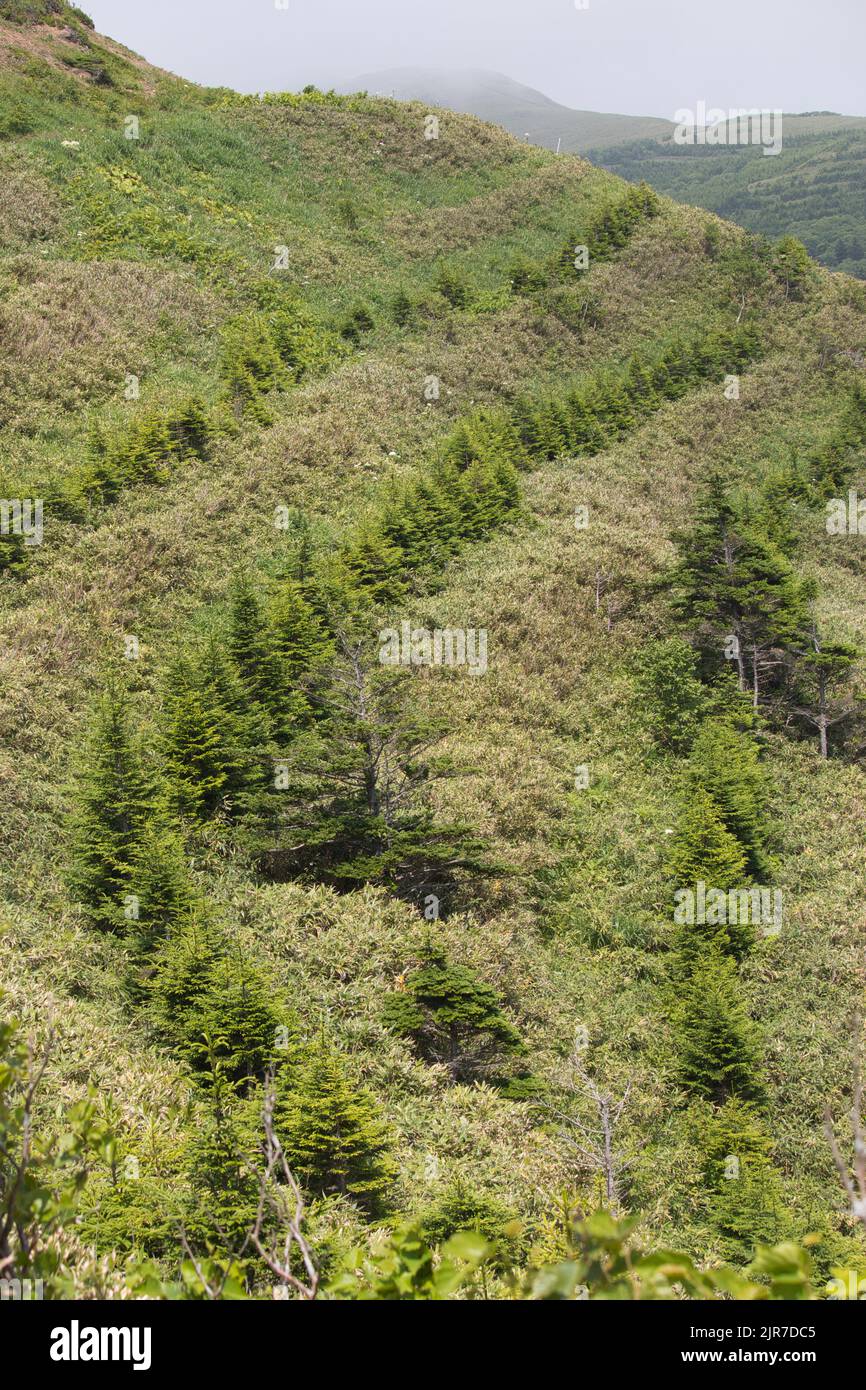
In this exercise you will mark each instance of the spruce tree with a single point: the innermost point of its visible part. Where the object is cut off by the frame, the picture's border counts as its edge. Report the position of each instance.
(235, 1028)
(113, 797)
(252, 652)
(718, 1043)
(453, 1018)
(357, 809)
(745, 1199)
(703, 850)
(214, 748)
(725, 763)
(161, 898)
(333, 1135)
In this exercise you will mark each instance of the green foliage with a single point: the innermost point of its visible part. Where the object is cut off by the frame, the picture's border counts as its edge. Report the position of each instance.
(453, 1019)
(357, 322)
(332, 1132)
(234, 1029)
(671, 693)
(792, 266)
(267, 350)
(114, 797)
(42, 1175)
(222, 1207)
(703, 848)
(144, 451)
(402, 309)
(355, 808)
(719, 1052)
(733, 582)
(815, 193)
(745, 1203)
(725, 764)
(213, 749)
(453, 285)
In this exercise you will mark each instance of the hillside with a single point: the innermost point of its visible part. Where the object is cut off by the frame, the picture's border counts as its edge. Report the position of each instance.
(814, 189)
(287, 375)
(521, 110)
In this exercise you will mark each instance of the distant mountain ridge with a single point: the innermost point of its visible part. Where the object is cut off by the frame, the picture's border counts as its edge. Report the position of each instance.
(521, 110)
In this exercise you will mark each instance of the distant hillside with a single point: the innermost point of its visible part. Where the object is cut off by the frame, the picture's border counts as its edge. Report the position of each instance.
(521, 110)
(815, 189)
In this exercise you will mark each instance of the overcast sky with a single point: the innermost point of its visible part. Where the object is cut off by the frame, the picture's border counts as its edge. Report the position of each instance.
(641, 57)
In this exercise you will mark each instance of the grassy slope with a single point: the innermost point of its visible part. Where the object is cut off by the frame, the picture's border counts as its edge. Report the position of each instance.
(559, 691)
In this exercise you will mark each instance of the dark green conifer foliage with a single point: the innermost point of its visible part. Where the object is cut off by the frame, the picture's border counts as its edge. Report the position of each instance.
(671, 694)
(357, 810)
(234, 1025)
(159, 880)
(453, 1018)
(703, 850)
(221, 1164)
(719, 1053)
(332, 1132)
(114, 795)
(725, 764)
(214, 749)
(745, 1199)
(376, 565)
(251, 647)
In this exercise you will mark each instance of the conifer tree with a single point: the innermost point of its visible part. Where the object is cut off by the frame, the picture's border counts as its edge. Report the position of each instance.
(453, 1018)
(252, 652)
(235, 1028)
(824, 675)
(357, 807)
(333, 1135)
(300, 646)
(671, 693)
(732, 582)
(113, 797)
(703, 850)
(160, 898)
(376, 566)
(725, 764)
(718, 1045)
(745, 1192)
(224, 1191)
(214, 749)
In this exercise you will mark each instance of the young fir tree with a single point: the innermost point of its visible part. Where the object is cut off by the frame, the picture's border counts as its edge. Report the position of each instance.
(182, 966)
(454, 1019)
(702, 849)
(375, 566)
(704, 852)
(745, 1199)
(333, 1135)
(718, 1045)
(114, 796)
(236, 1028)
(725, 763)
(215, 750)
(160, 898)
(356, 806)
(734, 587)
(223, 1200)
(251, 648)
(301, 645)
